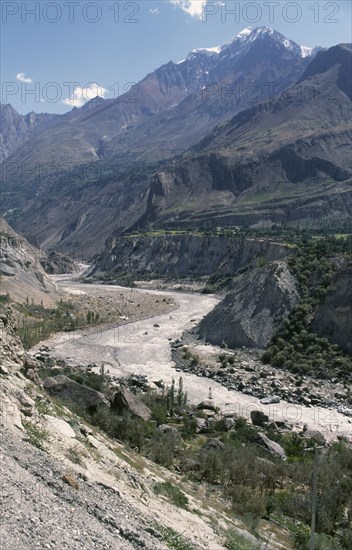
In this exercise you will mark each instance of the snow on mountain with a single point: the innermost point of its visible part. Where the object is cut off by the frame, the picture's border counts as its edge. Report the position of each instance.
(305, 51)
(246, 37)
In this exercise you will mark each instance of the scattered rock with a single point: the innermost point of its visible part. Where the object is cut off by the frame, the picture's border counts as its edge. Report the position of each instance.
(270, 400)
(213, 444)
(4, 371)
(259, 418)
(206, 406)
(166, 429)
(317, 435)
(201, 425)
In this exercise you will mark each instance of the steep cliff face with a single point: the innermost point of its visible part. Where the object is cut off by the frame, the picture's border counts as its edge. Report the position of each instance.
(333, 318)
(22, 275)
(250, 314)
(185, 255)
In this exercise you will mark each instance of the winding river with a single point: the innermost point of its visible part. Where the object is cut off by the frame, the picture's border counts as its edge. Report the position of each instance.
(144, 348)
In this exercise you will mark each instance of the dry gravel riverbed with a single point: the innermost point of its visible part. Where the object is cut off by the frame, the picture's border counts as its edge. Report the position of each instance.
(143, 347)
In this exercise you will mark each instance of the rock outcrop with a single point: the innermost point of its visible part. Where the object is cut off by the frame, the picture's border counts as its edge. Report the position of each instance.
(249, 314)
(22, 275)
(12, 355)
(273, 447)
(74, 393)
(55, 263)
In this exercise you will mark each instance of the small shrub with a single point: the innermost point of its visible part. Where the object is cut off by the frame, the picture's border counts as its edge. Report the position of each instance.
(234, 541)
(174, 494)
(74, 455)
(36, 435)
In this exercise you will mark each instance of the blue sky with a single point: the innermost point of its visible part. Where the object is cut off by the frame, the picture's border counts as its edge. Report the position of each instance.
(56, 54)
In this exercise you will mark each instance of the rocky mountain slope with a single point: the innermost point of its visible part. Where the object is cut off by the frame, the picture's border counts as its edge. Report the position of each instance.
(15, 129)
(22, 275)
(95, 164)
(250, 314)
(134, 120)
(281, 161)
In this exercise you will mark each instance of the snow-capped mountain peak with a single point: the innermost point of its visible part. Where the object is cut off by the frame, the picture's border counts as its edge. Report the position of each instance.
(245, 38)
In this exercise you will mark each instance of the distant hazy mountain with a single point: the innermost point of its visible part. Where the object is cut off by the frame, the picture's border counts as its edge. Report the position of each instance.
(174, 106)
(15, 129)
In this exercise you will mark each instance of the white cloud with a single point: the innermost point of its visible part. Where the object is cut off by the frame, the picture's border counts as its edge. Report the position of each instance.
(154, 11)
(81, 95)
(22, 78)
(194, 8)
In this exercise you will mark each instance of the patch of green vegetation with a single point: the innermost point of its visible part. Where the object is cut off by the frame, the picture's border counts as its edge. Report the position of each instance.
(295, 346)
(172, 492)
(252, 483)
(172, 539)
(39, 323)
(217, 283)
(74, 455)
(5, 299)
(36, 435)
(234, 541)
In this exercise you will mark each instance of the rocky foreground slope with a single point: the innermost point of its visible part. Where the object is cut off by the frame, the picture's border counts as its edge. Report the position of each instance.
(65, 484)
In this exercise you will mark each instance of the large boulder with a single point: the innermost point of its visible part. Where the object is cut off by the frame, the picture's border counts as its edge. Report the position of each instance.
(170, 431)
(270, 400)
(271, 446)
(207, 406)
(125, 401)
(74, 393)
(259, 418)
(213, 445)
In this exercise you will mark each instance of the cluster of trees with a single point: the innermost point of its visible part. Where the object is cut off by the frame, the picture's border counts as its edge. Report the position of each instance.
(38, 322)
(295, 347)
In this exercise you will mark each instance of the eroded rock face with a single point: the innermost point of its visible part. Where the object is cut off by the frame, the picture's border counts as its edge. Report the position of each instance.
(71, 391)
(249, 314)
(12, 355)
(186, 255)
(333, 318)
(22, 274)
